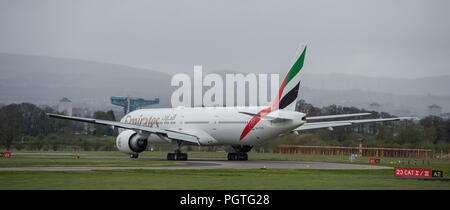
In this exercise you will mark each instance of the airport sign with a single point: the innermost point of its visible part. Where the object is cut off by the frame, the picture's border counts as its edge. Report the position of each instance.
(412, 172)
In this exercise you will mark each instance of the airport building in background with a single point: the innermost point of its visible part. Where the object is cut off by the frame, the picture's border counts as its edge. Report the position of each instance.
(434, 110)
(65, 106)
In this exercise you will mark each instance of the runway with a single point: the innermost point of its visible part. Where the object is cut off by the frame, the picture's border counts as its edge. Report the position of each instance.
(203, 163)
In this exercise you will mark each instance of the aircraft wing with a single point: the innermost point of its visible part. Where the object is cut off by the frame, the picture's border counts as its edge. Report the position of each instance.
(171, 134)
(331, 124)
(336, 116)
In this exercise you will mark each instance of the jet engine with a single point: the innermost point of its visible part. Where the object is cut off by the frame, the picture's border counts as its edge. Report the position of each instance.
(130, 142)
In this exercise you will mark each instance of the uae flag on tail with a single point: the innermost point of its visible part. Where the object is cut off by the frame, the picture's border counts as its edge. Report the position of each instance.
(287, 95)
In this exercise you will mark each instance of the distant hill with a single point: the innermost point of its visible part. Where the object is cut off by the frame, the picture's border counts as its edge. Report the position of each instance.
(45, 80)
(438, 85)
(401, 105)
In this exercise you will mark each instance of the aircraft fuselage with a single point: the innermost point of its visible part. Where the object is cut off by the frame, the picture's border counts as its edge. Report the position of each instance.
(215, 126)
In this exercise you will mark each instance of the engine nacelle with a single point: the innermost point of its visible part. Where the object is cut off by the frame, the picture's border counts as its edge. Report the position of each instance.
(130, 142)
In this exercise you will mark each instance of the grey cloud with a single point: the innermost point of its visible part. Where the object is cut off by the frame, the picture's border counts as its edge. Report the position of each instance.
(373, 38)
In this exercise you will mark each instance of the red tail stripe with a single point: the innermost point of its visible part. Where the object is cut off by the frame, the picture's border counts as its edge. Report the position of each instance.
(280, 92)
(252, 123)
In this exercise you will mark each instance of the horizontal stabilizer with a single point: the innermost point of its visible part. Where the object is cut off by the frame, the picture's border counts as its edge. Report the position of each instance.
(266, 117)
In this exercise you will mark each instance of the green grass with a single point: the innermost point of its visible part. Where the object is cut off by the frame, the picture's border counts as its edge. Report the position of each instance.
(443, 165)
(214, 179)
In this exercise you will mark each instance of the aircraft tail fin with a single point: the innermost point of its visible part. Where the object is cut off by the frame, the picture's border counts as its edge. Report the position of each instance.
(288, 92)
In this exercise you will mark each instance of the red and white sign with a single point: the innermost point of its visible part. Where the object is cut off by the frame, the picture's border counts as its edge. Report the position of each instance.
(7, 154)
(412, 172)
(373, 160)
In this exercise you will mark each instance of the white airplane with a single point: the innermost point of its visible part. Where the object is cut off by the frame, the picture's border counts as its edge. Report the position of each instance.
(236, 128)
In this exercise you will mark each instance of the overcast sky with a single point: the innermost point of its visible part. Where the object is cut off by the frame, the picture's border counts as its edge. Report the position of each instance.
(373, 38)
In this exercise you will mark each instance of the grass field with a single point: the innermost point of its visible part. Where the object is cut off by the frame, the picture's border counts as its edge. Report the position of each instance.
(443, 165)
(213, 179)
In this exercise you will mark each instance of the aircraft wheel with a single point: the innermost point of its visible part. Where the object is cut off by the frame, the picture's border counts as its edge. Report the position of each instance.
(171, 156)
(181, 156)
(231, 156)
(177, 156)
(238, 156)
(243, 156)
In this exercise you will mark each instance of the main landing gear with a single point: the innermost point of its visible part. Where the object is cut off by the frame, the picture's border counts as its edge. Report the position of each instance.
(238, 156)
(177, 155)
(135, 156)
(239, 152)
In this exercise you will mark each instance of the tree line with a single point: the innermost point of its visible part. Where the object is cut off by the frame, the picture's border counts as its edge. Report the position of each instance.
(26, 126)
(431, 132)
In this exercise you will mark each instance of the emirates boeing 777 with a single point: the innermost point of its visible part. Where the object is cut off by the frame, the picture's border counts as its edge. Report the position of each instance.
(236, 128)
